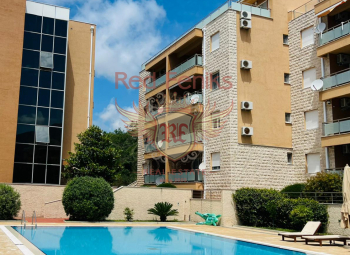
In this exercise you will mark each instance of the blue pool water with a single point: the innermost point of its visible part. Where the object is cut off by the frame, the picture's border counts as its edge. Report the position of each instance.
(137, 241)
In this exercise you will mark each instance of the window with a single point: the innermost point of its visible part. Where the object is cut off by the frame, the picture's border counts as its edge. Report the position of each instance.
(28, 95)
(48, 24)
(61, 28)
(40, 154)
(60, 45)
(25, 133)
(313, 163)
(215, 120)
(309, 76)
(311, 120)
(26, 114)
(44, 97)
(39, 174)
(56, 117)
(285, 40)
(46, 60)
(290, 158)
(42, 134)
(47, 43)
(42, 116)
(57, 99)
(215, 81)
(53, 175)
(31, 41)
(58, 81)
(24, 153)
(30, 59)
(288, 117)
(45, 79)
(29, 77)
(215, 41)
(307, 37)
(55, 136)
(32, 23)
(54, 155)
(215, 161)
(286, 78)
(59, 63)
(22, 173)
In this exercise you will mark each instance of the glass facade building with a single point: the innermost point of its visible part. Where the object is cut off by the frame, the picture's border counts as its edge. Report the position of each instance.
(38, 153)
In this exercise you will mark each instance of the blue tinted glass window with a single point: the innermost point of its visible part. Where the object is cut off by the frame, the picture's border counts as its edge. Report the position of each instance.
(57, 99)
(61, 28)
(29, 77)
(26, 114)
(58, 81)
(53, 175)
(30, 59)
(48, 24)
(59, 63)
(40, 154)
(28, 95)
(55, 136)
(56, 117)
(25, 133)
(60, 45)
(32, 23)
(31, 41)
(44, 97)
(24, 153)
(39, 174)
(54, 155)
(47, 43)
(45, 79)
(22, 173)
(42, 116)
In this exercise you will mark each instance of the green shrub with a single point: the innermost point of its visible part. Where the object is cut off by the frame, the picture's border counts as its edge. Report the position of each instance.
(88, 198)
(265, 208)
(298, 187)
(129, 213)
(300, 215)
(10, 202)
(163, 210)
(324, 182)
(253, 206)
(166, 185)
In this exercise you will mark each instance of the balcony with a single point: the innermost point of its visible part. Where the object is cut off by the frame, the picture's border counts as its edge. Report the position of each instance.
(151, 178)
(192, 176)
(151, 85)
(336, 85)
(302, 9)
(255, 10)
(336, 133)
(150, 147)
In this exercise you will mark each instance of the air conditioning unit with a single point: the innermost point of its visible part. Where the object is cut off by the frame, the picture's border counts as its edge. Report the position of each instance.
(246, 64)
(247, 106)
(342, 16)
(247, 131)
(346, 149)
(345, 102)
(246, 15)
(246, 23)
(343, 59)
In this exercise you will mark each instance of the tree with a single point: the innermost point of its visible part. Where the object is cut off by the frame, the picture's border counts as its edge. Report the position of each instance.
(94, 156)
(163, 210)
(10, 202)
(127, 145)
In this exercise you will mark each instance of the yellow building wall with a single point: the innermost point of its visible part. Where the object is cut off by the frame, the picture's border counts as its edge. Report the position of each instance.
(264, 83)
(11, 44)
(77, 84)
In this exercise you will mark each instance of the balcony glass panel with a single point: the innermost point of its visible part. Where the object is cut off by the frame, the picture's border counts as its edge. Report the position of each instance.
(151, 179)
(185, 139)
(260, 11)
(336, 80)
(334, 33)
(336, 127)
(192, 176)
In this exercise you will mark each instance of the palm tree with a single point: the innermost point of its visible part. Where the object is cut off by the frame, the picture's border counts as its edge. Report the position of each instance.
(163, 210)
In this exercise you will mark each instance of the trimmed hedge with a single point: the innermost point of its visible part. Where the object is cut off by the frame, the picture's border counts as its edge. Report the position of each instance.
(88, 198)
(166, 185)
(270, 208)
(324, 182)
(10, 202)
(298, 187)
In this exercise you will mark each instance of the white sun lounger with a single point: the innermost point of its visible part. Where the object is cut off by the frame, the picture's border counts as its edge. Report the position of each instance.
(330, 238)
(309, 229)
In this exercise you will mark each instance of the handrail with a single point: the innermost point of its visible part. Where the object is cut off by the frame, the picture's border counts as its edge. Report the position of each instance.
(336, 121)
(302, 9)
(335, 73)
(23, 220)
(332, 28)
(324, 33)
(321, 197)
(34, 218)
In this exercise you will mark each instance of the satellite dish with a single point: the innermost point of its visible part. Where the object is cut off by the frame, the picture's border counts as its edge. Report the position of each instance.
(317, 85)
(159, 180)
(320, 28)
(160, 144)
(202, 167)
(194, 99)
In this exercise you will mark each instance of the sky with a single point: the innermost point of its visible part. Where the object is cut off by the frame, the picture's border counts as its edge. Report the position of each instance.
(129, 32)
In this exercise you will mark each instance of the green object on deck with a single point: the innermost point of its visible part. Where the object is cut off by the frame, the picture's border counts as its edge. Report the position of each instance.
(210, 218)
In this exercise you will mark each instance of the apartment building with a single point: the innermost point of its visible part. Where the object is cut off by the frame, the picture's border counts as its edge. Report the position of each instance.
(46, 89)
(264, 57)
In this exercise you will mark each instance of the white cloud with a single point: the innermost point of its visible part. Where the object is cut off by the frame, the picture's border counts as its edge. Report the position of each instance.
(110, 119)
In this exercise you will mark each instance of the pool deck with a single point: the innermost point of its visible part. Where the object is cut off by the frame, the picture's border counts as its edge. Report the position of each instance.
(260, 236)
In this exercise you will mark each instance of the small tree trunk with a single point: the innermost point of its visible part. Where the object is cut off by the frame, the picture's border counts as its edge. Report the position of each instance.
(163, 218)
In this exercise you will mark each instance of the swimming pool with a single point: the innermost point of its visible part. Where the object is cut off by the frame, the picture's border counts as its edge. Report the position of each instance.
(137, 240)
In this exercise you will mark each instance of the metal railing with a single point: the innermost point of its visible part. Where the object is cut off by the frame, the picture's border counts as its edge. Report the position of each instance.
(34, 219)
(321, 197)
(258, 10)
(186, 101)
(23, 220)
(336, 79)
(339, 171)
(336, 127)
(304, 9)
(334, 33)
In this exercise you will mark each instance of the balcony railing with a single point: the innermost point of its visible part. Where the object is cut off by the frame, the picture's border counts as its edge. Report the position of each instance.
(150, 147)
(183, 102)
(192, 176)
(321, 197)
(151, 178)
(339, 171)
(334, 33)
(304, 8)
(255, 10)
(185, 139)
(336, 79)
(155, 84)
(337, 127)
